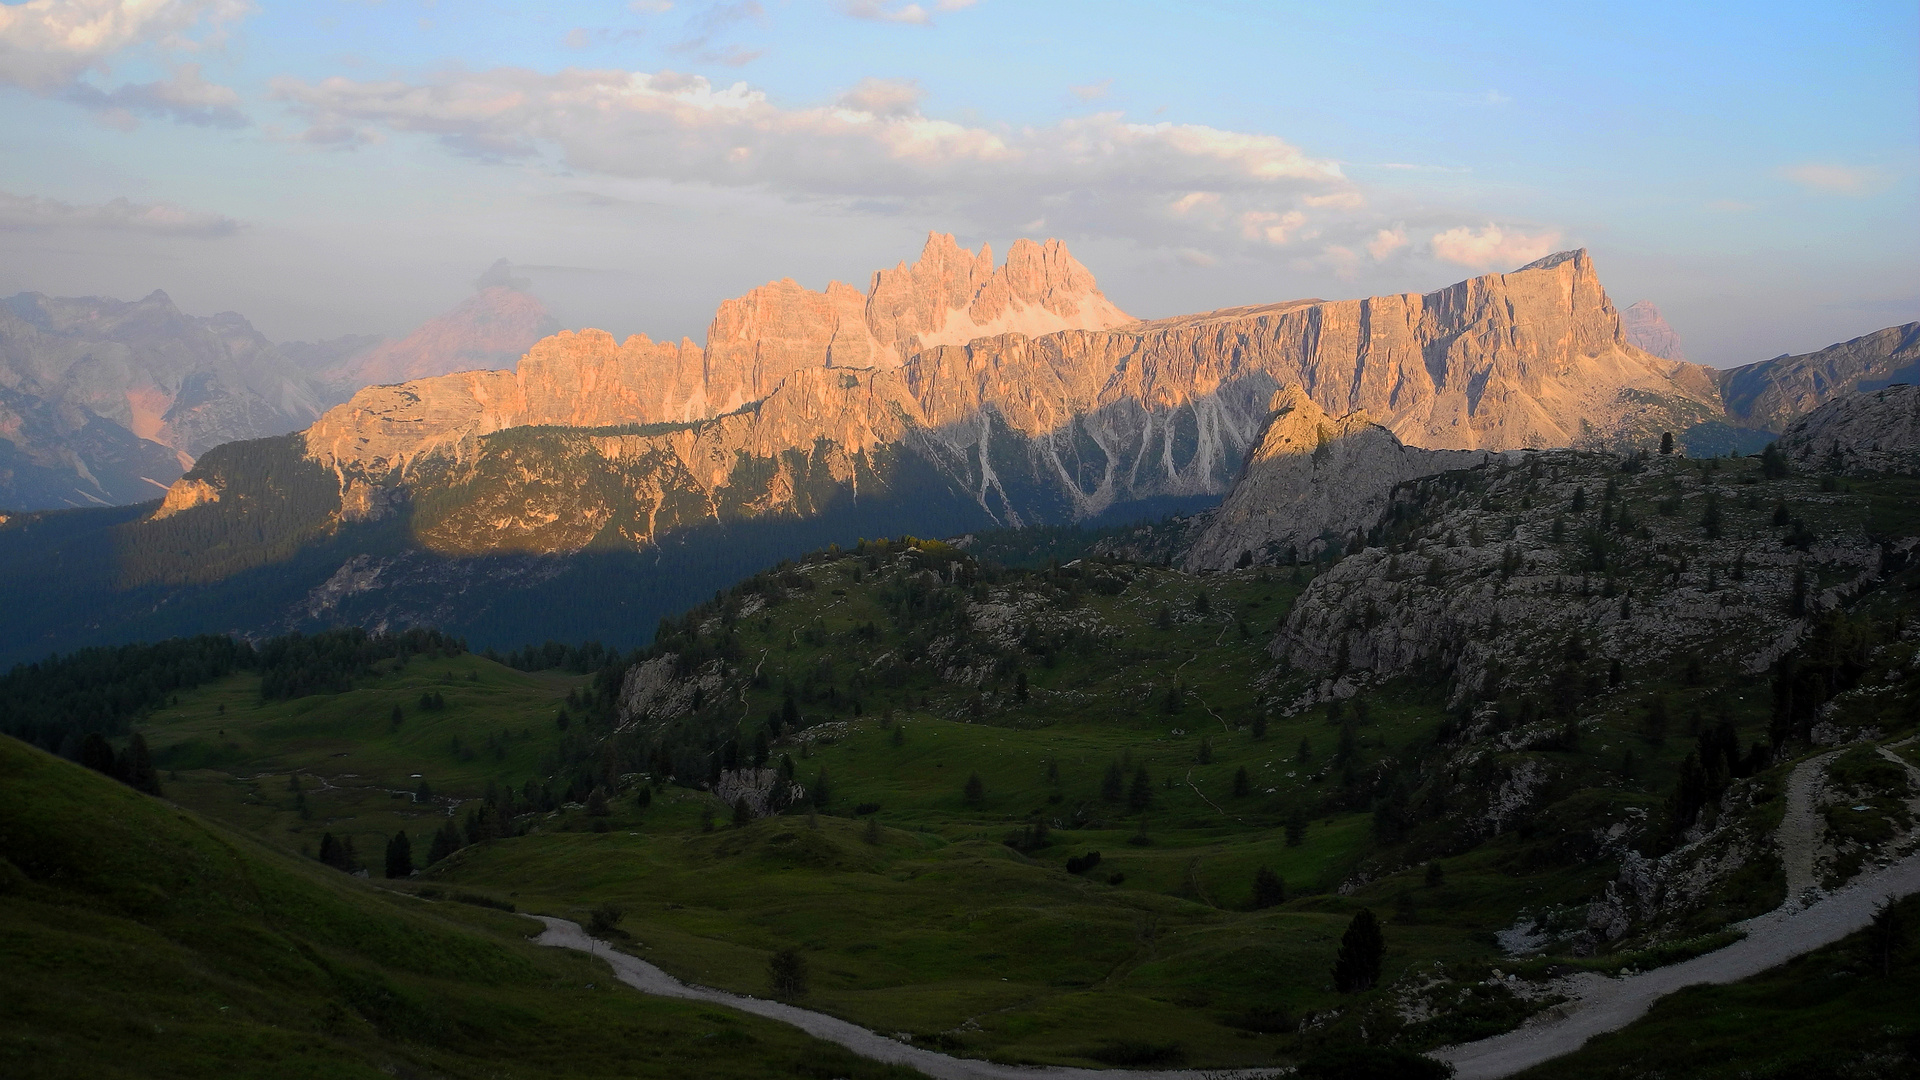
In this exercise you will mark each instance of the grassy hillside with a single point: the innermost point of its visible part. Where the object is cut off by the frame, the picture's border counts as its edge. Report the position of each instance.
(138, 940)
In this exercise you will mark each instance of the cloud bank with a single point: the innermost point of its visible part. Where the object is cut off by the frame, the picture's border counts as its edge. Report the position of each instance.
(48, 47)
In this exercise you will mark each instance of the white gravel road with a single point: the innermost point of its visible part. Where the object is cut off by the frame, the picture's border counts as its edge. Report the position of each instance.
(648, 979)
(1807, 921)
(1804, 923)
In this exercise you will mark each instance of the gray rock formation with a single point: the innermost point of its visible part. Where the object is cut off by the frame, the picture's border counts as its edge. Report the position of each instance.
(1312, 481)
(1492, 578)
(1772, 394)
(103, 401)
(1871, 431)
(1647, 329)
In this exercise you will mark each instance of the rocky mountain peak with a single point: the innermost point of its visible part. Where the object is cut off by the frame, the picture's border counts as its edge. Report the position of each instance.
(1648, 331)
(951, 296)
(489, 329)
(1311, 480)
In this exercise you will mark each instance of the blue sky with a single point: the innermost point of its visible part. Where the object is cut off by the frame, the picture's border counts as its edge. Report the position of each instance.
(336, 167)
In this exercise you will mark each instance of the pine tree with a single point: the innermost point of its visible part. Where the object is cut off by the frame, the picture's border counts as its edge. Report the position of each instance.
(1268, 888)
(1113, 784)
(139, 766)
(1241, 785)
(975, 791)
(872, 833)
(399, 855)
(1666, 442)
(97, 754)
(742, 813)
(1362, 951)
(822, 789)
(1140, 795)
(787, 973)
(1296, 827)
(1435, 875)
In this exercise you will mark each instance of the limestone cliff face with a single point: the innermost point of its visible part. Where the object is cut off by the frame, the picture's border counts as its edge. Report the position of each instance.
(1647, 329)
(1866, 431)
(951, 296)
(1050, 427)
(1312, 480)
(1774, 393)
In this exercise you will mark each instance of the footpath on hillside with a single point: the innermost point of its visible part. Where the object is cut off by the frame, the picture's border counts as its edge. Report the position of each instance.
(1805, 922)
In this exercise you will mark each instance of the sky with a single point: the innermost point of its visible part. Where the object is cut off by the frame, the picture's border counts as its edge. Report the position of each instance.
(352, 166)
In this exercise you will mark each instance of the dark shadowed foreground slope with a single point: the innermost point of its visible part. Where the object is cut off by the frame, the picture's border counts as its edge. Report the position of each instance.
(138, 940)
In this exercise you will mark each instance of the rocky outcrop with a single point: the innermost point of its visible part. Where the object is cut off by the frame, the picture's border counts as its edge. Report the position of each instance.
(1312, 481)
(1524, 579)
(1874, 431)
(1648, 331)
(1774, 393)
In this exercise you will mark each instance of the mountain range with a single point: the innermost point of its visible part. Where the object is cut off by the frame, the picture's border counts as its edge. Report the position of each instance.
(952, 395)
(106, 402)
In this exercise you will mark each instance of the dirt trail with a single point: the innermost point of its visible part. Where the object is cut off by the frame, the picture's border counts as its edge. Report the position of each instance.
(1805, 922)
(648, 979)
(1801, 828)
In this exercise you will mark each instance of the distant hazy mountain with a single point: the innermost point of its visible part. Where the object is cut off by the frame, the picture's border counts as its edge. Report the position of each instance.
(1647, 330)
(104, 401)
(1772, 394)
(490, 329)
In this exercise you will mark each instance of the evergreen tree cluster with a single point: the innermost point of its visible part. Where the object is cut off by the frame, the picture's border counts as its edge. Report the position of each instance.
(59, 701)
(297, 665)
(132, 767)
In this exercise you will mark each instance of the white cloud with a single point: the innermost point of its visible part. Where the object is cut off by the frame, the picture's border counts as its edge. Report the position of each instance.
(1344, 261)
(1197, 258)
(871, 148)
(1833, 179)
(49, 46)
(1274, 228)
(650, 7)
(888, 11)
(33, 213)
(1491, 247)
(884, 97)
(184, 97)
(1385, 242)
(1194, 200)
(1338, 200)
(1092, 91)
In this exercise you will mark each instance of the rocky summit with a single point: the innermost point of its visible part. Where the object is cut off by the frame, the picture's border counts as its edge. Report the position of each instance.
(1021, 386)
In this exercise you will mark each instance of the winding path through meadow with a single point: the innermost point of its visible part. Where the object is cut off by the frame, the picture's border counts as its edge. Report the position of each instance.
(1600, 1004)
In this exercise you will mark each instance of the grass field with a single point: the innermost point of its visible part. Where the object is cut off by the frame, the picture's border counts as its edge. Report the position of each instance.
(138, 940)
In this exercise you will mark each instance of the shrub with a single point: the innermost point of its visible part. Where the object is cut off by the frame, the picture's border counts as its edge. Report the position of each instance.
(787, 973)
